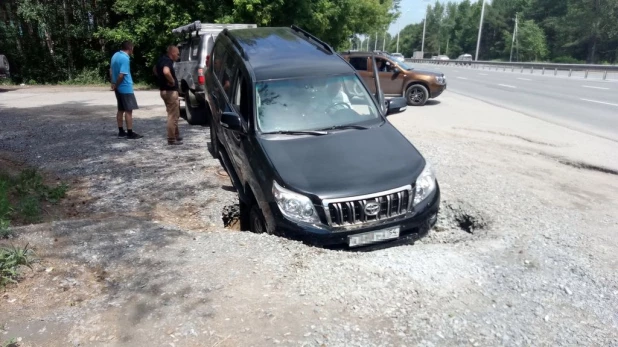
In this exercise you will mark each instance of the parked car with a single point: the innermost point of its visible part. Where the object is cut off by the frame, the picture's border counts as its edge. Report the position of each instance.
(5, 71)
(398, 78)
(464, 59)
(399, 57)
(308, 146)
(195, 51)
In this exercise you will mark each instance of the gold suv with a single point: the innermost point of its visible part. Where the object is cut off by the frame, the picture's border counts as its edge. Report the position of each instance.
(397, 78)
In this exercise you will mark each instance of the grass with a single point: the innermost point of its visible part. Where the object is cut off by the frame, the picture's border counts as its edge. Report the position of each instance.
(10, 343)
(21, 198)
(11, 259)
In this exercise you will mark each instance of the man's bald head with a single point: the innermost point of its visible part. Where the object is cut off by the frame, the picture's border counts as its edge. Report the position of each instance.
(173, 52)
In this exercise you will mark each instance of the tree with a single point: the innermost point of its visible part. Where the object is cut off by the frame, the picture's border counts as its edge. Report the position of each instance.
(533, 43)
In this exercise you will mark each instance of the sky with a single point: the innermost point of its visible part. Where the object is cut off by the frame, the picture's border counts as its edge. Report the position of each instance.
(412, 11)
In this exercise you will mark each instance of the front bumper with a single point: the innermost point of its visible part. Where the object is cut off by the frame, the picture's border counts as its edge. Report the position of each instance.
(435, 92)
(411, 227)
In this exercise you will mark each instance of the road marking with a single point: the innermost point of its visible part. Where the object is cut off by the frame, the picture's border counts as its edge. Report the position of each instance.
(483, 74)
(524, 79)
(506, 85)
(593, 87)
(600, 102)
(462, 78)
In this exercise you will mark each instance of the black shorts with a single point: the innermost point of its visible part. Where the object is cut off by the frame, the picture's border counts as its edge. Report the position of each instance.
(126, 102)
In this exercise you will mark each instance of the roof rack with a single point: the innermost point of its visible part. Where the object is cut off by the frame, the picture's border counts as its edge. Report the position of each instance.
(307, 34)
(198, 26)
(235, 42)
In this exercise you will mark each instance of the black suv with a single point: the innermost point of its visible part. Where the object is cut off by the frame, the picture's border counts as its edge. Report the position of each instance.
(308, 148)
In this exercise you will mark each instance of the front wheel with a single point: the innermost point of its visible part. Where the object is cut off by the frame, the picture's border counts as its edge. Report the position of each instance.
(214, 142)
(197, 112)
(417, 95)
(256, 220)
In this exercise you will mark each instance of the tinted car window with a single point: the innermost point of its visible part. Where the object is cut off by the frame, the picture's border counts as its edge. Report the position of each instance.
(195, 48)
(229, 73)
(184, 52)
(359, 63)
(218, 55)
(313, 103)
(241, 92)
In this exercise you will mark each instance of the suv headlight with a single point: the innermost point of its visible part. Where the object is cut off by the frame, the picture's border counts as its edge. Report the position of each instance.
(295, 206)
(425, 184)
(441, 79)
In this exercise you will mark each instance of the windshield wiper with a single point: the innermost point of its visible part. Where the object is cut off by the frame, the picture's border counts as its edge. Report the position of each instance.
(297, 132)
(350, 126)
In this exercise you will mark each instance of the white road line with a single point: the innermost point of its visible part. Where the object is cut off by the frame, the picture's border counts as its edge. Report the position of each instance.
(524, 79)
(593, 87)
(506, 85)
(462, 78)
(600, 102)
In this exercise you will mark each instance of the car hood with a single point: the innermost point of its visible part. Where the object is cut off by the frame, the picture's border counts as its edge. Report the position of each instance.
(344, 163)
(428, 72)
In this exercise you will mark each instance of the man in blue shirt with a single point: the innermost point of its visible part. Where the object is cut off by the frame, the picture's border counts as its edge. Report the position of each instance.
(122, 85)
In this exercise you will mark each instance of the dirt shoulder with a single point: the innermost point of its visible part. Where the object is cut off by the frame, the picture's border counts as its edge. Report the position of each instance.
(147, 260)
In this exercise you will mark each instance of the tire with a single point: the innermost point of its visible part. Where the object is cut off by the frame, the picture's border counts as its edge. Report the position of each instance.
(417, 95)
(195, 115)
(256, 220)
(214, 142)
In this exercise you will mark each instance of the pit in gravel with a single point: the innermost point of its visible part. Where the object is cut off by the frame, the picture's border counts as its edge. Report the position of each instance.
(460, 216)
(231, 217)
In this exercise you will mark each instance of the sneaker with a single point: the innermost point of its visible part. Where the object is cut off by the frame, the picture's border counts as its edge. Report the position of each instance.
(122, 134)
(134, 136)
(179, 138)
(174, 143)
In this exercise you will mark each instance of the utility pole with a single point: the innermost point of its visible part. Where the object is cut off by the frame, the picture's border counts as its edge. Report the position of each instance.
(478, 41)
(514, 35)
(447, 41)
(398, 41)
(423, 43)
(383, 42)
(375, 45)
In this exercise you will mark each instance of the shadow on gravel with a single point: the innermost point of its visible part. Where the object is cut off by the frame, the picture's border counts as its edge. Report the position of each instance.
(78, 140)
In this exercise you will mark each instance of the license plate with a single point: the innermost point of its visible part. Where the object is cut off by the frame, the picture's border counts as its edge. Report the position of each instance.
(373, 237)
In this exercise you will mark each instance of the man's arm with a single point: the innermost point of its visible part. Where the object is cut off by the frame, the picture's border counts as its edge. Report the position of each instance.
(118, 81)
(168, 76)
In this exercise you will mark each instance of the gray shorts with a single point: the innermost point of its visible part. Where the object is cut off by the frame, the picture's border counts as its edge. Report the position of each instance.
(126, 102)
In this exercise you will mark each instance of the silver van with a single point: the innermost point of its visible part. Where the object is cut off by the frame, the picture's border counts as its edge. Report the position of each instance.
(195, 48)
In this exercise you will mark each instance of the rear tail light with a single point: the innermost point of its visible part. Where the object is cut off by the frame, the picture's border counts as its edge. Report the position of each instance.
(207, 61)
(200, 77)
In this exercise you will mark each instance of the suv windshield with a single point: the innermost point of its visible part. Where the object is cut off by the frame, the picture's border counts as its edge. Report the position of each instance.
(313, 104)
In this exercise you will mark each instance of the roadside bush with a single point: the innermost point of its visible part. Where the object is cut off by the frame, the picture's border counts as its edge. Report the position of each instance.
(567, 60)
(86, 77)
(11, 259)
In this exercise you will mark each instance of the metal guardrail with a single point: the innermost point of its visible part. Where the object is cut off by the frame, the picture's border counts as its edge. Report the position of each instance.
(526, 66)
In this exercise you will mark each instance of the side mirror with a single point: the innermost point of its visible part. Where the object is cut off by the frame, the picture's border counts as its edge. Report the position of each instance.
(396, 105)
(232, 121)
(396, 70)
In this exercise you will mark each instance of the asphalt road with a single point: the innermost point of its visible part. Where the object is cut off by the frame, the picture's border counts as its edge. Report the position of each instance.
(587, 105)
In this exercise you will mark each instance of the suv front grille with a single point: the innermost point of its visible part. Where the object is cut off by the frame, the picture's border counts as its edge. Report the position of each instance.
(355, 211)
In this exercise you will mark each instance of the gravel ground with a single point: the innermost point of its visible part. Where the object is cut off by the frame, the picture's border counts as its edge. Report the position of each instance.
(525, 251)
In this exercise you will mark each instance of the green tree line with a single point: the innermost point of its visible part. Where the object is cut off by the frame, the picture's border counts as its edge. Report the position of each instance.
(50, 41)
(568, 31)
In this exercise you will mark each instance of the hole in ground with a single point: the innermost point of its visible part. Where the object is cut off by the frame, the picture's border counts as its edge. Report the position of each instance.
(460, 215)
(231, 217)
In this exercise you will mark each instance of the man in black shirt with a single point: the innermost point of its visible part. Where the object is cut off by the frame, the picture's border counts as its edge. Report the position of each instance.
(168, 85)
